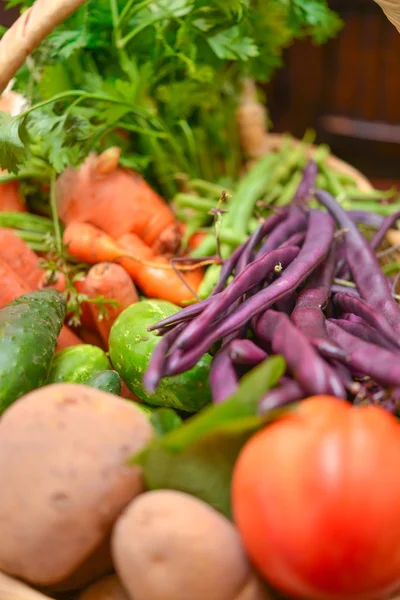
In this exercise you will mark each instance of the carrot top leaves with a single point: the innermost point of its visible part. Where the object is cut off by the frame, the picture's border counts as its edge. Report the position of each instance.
(167, 72)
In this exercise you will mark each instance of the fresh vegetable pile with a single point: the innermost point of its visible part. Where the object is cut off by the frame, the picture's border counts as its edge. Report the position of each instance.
(199, 322)
(300, 289)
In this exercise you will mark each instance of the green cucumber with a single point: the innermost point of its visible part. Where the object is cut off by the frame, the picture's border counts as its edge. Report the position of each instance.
(131, 346)
(29, 328)
(77, 363)
(107, 381)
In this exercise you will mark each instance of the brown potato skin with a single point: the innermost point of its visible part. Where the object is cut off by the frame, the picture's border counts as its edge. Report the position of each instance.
(63, 477)
(107, 588)
(168, 545)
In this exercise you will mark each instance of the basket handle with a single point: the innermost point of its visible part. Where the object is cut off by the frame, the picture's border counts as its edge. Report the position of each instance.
(28, 31)
(12, 589)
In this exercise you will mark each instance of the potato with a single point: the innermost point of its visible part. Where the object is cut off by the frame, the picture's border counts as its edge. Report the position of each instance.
(64, 478)
(107, 588)
(171, 546)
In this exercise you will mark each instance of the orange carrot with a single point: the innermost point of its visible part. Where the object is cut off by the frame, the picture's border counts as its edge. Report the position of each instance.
(86, 317)
(92, 337)
(10, 197)
(67, 338)
(12, 286)
(118, 201)
(127, 394)
(113, 283)
(89, 244)
(154, 282)
(23, 260)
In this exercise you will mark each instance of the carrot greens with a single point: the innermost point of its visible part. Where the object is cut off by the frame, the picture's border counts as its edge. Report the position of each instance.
(160, 78)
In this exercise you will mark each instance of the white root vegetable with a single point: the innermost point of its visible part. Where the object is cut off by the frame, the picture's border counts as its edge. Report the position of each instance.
(107, 588)
(64, 480)
(168, 545)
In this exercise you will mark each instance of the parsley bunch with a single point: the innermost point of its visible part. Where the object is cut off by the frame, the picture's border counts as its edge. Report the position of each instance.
(159, 78)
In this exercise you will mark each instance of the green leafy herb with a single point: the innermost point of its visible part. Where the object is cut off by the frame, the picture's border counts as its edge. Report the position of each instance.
(166, 72)
(198, 457)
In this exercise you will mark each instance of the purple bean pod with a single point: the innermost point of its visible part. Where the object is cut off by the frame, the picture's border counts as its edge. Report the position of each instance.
(155, 370)
(247, 254)
(251, 276)
(366, 271)
(286, 392)
(307, 184)
(185, 314)
(310, 371)
(339, 289)
(383, 229)
(365, 332)
(296, 239)
(223, 378)
(294, 223)
(227, 268)
(308, 313)
(350, 304)
(361, 217)
(246, 352)
(314, 250)
(380, 364)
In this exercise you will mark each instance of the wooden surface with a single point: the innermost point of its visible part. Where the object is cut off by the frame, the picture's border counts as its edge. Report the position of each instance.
(348, 90)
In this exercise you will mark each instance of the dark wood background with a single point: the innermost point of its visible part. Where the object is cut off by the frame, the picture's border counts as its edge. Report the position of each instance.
(347, 90)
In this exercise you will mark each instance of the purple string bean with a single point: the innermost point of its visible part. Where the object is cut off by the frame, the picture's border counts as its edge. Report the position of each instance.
(252, 275)
(368, 359)
(310, 371)
(350, 304)
(246, 352)
(316, 247)
(308, 313)
(294, 223)
(223, 377)
(307, 184)
(383, 229)
(286, 392)
(364, 266)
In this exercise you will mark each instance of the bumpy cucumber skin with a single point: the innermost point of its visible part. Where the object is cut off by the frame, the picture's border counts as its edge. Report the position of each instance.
(77, 363)
(29, 328)
(131, 346)
(107, 381)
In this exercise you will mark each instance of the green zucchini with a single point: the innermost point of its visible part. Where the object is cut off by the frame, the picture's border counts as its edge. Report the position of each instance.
(29, 328)
(107, 381)
(131, 347)
(77, 363)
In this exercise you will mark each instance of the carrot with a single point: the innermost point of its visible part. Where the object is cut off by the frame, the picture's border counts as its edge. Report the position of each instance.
(118, 201)
(89, 244)
(67, 338)
(113, 283)
(152, 273)
(155, 282)
(92, 337)
(12, 286)
(127, 394)
(10, 197)
(86, 316)
(23, 260)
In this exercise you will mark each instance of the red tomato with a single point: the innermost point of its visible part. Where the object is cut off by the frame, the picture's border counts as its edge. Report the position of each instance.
(316, 498)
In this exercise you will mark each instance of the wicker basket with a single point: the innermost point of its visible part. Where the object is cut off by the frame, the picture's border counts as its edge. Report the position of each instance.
(18, 42)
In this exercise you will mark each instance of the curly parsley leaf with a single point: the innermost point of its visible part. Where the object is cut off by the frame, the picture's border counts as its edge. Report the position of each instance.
(12, 147)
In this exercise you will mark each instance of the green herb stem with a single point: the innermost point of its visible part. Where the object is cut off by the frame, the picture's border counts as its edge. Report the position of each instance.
(56, 222)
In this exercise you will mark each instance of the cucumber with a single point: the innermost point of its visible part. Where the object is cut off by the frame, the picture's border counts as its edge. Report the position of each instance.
(77, 363)
(131, 346)
(107, 381)
(29, 328)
